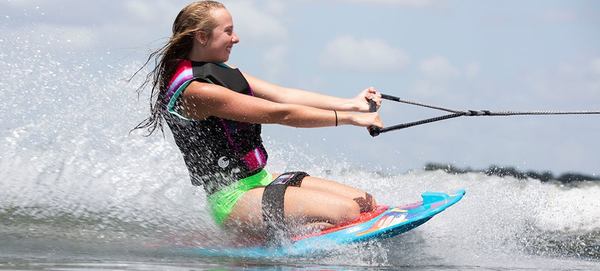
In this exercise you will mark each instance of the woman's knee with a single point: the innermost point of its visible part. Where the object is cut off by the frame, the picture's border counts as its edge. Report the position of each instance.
(366, 203)
(346, 210)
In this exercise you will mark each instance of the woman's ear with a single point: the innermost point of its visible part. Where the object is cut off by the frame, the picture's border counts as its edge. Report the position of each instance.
(201, 37)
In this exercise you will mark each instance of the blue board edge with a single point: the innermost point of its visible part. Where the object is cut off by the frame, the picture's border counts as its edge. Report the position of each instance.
(311, 247)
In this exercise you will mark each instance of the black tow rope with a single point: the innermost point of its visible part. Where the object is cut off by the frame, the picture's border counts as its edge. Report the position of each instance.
(375, 131)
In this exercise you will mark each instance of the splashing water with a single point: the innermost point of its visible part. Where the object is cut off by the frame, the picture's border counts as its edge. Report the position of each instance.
(75, 183)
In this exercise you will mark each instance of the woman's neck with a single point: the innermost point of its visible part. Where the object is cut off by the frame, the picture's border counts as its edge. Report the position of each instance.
(199, 55)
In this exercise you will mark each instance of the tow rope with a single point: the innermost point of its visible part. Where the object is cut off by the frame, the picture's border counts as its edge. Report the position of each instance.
(375, 131)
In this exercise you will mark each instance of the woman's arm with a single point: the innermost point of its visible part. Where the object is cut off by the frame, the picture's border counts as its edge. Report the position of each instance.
(275, 93)
(201, 100)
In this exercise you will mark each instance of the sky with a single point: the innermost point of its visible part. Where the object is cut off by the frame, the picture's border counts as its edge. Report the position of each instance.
(496, 55)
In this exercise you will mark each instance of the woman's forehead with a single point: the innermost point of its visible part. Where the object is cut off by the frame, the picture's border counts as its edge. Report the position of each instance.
(222, 16)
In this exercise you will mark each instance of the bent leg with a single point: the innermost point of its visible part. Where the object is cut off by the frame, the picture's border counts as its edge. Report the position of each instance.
(302, 206)
(306, 205)
(364, 199)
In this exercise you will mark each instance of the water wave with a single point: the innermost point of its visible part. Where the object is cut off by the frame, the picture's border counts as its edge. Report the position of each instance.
(72, 174)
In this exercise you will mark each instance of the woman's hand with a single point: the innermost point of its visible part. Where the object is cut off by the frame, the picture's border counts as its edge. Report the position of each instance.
(361, 119)
(368, 119)
(361, 102)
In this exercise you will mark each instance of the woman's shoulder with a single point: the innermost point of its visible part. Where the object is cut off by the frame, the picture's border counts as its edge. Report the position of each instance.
(228, 65)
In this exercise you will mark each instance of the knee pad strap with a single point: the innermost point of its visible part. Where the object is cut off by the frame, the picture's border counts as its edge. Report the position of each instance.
(273, 201)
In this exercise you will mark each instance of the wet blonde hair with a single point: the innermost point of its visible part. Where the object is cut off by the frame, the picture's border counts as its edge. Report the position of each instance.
(195, 17)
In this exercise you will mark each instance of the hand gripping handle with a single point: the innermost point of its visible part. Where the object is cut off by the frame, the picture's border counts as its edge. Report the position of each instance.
(373, 130)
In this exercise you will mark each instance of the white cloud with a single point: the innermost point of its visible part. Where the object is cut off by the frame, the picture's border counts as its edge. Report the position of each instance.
(406, 3)
(261, 25)
(134, 23)
(255, 23)
(438, 67)
(152, 11)
(363, 55)
(441, 79)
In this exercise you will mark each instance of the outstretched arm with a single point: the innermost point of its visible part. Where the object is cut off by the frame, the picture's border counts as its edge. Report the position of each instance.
(276, 93)
(202, 100)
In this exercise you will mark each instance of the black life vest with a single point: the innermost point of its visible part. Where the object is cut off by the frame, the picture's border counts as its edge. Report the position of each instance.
(217, 151)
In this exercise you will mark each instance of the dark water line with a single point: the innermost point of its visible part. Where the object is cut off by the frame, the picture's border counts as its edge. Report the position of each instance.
(571, 178)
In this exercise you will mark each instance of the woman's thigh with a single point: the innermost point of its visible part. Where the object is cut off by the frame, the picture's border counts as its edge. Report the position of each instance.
(330, 186)
(301, 205)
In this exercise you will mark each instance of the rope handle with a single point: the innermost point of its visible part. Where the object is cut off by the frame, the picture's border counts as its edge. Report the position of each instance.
(375, 131)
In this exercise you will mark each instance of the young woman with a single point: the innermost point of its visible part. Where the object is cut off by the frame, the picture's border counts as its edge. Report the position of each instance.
(215, 113)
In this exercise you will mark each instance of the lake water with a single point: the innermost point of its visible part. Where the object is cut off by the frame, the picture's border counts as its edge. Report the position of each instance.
(77, 192)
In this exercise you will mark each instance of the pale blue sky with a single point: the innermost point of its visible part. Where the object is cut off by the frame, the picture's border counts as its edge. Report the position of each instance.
(498, 55)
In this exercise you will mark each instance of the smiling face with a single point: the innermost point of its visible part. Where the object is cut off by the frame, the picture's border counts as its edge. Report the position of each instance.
(217, 46)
